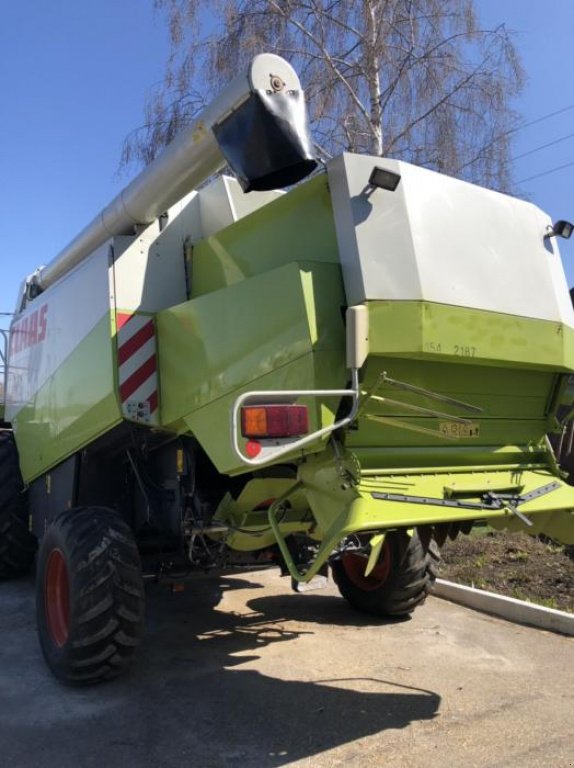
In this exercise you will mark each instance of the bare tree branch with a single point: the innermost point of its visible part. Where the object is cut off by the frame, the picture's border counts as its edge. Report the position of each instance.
(417, 79)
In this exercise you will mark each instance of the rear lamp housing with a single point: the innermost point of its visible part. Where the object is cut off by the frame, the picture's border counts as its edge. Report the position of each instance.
(274, 421)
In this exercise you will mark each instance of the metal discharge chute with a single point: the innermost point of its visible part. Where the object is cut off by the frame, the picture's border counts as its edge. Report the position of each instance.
(257, 126)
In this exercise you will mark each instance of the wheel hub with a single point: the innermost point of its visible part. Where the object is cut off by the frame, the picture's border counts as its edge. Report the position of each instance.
(355, 565)
(57, 598)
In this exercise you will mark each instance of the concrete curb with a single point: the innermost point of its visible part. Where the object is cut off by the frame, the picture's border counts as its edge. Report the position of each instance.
(506, 607)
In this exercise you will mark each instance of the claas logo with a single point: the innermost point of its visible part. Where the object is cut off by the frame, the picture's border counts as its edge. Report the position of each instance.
(29, 331)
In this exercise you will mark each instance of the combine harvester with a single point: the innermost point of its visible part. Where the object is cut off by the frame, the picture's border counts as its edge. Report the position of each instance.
(236, 377)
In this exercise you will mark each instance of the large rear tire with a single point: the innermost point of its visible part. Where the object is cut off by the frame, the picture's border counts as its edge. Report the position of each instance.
(400, 581)
(90, 595)
(17, 545)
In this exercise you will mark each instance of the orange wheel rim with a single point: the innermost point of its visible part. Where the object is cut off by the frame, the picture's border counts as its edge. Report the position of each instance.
(355, 565)
(57, 598)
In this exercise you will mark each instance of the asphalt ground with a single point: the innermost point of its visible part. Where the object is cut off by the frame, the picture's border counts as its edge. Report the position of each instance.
(239, 672)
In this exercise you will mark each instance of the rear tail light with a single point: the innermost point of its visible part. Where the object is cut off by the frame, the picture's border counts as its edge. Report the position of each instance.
(274, 421)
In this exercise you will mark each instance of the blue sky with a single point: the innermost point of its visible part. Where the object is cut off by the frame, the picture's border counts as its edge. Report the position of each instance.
(73, 79)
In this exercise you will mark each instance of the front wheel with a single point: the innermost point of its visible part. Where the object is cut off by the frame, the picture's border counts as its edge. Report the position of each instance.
(90, 595)
(399, 582)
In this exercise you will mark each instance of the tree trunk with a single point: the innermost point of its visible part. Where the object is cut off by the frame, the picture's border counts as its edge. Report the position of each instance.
(373, 78)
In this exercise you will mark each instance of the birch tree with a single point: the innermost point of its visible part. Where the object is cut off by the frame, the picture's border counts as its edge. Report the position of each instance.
(417, 80)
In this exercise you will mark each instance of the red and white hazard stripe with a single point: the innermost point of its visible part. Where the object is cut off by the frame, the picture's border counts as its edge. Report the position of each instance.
(137, 366)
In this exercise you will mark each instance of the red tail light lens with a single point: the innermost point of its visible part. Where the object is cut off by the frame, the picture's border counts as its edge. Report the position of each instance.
(274, 421)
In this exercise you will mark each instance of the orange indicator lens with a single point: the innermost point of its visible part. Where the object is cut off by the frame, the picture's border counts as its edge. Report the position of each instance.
(253, 422)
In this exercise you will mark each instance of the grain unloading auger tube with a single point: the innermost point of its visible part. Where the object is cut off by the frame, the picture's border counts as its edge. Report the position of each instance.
(257, 126)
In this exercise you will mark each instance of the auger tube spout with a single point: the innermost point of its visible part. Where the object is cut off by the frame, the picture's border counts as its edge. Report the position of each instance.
(257, 125)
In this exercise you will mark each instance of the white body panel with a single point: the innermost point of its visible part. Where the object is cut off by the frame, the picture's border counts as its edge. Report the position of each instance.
(53, 325)
(149, 269)
(442, 240)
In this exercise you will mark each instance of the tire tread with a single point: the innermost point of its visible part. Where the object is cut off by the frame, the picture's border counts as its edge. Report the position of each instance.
(413, 575)
(17, 544)
(107, 595)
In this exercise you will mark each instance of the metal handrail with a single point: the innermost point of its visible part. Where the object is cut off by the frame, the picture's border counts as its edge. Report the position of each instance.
(277, 451)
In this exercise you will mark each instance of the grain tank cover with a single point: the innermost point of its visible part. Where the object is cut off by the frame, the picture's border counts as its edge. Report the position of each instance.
(442, 240)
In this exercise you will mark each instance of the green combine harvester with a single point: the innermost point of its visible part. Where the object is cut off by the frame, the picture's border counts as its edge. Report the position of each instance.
(338, 376)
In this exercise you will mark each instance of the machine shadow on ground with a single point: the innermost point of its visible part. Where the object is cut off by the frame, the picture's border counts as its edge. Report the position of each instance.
(187, 701)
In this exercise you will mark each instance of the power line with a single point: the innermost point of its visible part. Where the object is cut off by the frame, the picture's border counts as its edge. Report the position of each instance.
(514, 130)
(546, 173)
(538, 120)
(543, 146)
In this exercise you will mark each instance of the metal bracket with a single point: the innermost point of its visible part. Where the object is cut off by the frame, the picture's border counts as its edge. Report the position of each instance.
(430, 394)
(376, 546)
(489, 500)
(326, 548)
(423, 411)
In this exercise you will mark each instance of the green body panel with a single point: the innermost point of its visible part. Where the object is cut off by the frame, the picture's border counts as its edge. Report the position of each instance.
(297, 227)
(212, 421)
(515, 406)
(425, 330)
(514, 369)
(366, 511)
(557, 524)
(75, 406)
(248, 514)
(249, 336)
